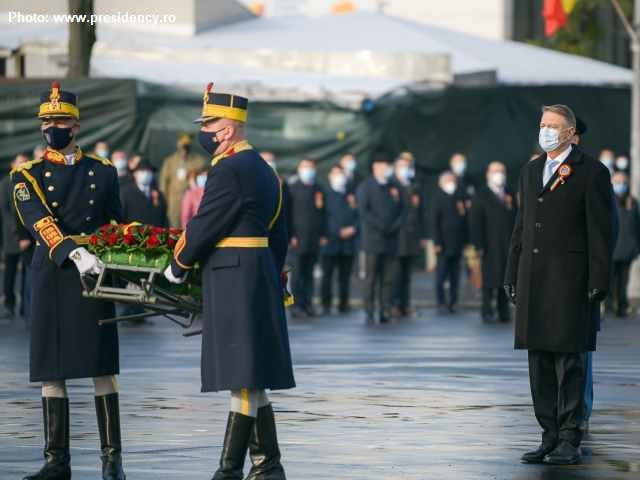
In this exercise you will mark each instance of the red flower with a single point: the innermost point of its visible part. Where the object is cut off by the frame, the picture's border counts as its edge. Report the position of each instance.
(93, 240)
(171, 242)
(129, 239)
(157, 230)
(113, 239)
(175, 231)
(153, 241)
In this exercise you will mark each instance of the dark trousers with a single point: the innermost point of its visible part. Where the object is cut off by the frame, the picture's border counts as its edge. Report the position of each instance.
(378, 280)
(448, 269)
(343, 264)
(11, 262)
(402, 283)
(557, 388)
(502, 303)
(619, 284)
(303, 280)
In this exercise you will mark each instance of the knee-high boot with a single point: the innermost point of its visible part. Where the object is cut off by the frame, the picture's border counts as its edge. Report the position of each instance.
(234, 450)
(108, 415)
(263, 448)
(56, 441)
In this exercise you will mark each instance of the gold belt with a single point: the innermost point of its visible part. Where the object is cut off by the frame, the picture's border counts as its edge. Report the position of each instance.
(243, 242)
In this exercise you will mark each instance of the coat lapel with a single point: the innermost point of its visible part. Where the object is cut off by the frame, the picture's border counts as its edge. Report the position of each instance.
(574, 157)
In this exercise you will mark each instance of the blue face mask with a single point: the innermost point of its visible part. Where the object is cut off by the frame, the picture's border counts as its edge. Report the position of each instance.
(307, 175)
(144, 177)
(620, 188)
(209, 141)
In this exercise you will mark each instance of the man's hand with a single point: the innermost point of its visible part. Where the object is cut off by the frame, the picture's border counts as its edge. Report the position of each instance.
(86, 262)
(323, 241)
(24, 244)
(293, 243)
(347, 232)
(168, 274)
(596, 295)
(510, 290)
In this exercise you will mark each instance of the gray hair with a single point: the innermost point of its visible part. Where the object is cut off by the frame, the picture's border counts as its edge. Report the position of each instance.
(563, 111)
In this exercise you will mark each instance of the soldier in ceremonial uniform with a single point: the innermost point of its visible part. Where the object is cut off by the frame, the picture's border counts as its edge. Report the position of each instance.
(239, 238)
(59, 198)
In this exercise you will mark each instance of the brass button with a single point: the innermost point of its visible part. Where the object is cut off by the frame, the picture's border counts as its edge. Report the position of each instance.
(51, 188)
(88, 219)
(91, 174)
(47, 174)
(540, 200)
(54, 204)
(91, 202)
(93, 186)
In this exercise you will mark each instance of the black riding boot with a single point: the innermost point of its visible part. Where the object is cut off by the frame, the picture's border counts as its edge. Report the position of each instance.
(108, 414)
(56, 441)
(234, 450)
(263, 448)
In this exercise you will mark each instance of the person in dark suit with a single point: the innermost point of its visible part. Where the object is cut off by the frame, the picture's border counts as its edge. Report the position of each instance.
(382, 213)
(309, 234)
(449, 234)
(557, 273)
(349, 164)
(492, 217)
(627, 247)
(11, 249)
(141, 201)
(411, 236)
(465, 189)
(342, 228)
(60, 198)
(239, 238)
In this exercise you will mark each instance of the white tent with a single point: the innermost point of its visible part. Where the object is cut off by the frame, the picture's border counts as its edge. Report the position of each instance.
(287, 56)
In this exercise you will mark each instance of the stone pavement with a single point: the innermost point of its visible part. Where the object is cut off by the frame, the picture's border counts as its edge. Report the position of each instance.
(431, 397)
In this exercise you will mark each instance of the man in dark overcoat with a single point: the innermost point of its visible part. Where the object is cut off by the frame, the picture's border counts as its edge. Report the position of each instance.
(491, 220)
(141, 201)
(239, 238)
(61, 198)
(557, 272)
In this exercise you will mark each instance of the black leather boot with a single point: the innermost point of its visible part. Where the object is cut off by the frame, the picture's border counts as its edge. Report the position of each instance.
(263, 448)
(234, 450)
(564, 454)
(108, 414)
(56, 441)
(537, 455)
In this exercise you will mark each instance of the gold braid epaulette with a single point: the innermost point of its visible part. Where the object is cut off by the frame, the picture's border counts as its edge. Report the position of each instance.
(26, 166)
(102, 160)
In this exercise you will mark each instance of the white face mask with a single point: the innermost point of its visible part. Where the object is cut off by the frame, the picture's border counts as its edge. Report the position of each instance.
(201, 180)
(144, 177)
(549, 139)
(497, 179)
(622, 163)
(307, 175)
(102, 153)
(404, 174)
(459, 168)
(349, 166)
(338, 183)
(120, 164)
(449, 188)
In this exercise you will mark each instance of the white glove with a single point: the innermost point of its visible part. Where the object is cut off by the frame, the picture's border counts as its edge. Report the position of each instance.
(168, 274)
(86, 262)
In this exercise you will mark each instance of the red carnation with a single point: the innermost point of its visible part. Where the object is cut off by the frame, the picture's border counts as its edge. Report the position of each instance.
(129, 239)
(153, 241)
(157, 230)
(171, 242)
(113, 239)
(93, 240)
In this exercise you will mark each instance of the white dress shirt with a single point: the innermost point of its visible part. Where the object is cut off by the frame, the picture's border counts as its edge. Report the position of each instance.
(552, 164)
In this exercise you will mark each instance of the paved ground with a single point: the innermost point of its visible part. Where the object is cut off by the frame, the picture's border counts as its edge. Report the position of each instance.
(432, 397)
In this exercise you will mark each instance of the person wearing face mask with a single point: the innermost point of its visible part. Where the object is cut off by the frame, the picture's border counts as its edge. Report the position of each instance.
(411, 236)
(558, 272)
(239, 238)
(101, 149)
(449, 235)
(622, 164)
(342, 229)
(120, 161)
(465, 189)
(607, 158)
(60, 199)
(382, 211)
(193, 196)
(349, 164)
(173, 175)
(309, 218)
(627, 245)
(141, 201)
(491, 220)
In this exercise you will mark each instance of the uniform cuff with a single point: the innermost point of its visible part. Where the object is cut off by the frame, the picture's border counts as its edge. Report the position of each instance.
(60, 253)
(177, 271)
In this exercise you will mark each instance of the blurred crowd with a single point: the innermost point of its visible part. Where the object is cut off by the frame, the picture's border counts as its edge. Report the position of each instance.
(374, 220)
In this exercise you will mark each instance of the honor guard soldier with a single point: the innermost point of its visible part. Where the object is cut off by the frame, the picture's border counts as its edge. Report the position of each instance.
(59, 198)
(239, 238)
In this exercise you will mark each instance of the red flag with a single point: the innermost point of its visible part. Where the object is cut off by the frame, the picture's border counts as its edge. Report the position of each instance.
(554, 17)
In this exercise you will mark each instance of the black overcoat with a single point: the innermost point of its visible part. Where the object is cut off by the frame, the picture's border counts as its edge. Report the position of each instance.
(308, 216)
(491, 222)
(449, 223)
(245, 342)
(137, 207)
(413, 230)
(560, 250)
(340, 214)
(55, 201)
